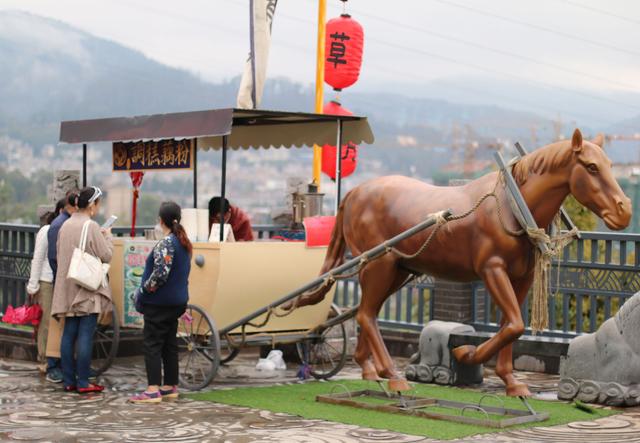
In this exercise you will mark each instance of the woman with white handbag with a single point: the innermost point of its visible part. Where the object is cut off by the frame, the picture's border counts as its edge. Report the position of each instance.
(81, 291)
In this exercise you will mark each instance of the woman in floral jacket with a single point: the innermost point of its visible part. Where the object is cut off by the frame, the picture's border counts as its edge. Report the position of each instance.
(164, 295)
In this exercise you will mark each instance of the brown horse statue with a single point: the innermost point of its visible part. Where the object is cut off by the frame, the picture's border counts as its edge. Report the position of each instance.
(472, 248)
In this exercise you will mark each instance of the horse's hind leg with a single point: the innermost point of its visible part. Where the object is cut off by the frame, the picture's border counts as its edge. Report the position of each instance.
(362, 356)
(363, 353)
(378, 280)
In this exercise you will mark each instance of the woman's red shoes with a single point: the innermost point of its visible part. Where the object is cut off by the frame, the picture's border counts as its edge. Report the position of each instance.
(91, 388)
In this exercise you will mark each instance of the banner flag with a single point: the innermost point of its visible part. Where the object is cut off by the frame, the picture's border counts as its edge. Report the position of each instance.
(255, 70)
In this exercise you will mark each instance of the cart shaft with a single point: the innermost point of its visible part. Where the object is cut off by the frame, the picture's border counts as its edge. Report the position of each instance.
(371, 254)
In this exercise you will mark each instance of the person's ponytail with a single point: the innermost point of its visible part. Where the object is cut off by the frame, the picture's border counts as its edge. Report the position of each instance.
(72, 198)
(170, 213)
(181, 235)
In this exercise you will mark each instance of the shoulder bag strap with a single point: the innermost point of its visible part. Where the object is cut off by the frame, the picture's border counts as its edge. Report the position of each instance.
(84, 235)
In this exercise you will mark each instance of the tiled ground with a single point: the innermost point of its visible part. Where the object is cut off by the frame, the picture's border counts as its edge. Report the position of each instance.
(33, 410)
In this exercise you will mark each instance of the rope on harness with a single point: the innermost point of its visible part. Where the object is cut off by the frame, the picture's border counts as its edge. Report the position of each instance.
(555, 245)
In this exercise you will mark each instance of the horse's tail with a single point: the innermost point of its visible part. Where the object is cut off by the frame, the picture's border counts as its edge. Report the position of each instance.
(337, 245)
(333, 259)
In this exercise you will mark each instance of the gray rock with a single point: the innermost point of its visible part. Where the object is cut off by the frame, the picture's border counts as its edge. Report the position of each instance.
(434, 363)
(63, 182)
(604, 366)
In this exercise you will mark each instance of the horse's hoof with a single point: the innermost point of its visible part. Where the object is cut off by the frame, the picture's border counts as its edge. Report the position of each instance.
(464, 354)
(398, 384)
(387, 373)
(518, 389)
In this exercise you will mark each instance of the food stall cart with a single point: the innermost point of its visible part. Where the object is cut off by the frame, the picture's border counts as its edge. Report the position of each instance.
(229, 282)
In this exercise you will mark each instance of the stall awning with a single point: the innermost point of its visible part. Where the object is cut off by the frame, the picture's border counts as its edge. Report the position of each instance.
(245, 128)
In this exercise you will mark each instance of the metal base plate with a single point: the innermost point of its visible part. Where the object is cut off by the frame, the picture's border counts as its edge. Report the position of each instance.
(419, 407)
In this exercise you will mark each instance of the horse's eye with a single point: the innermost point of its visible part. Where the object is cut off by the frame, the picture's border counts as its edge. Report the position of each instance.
(592, 167)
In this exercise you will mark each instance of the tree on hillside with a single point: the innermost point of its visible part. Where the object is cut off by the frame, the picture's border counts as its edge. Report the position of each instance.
(5, 199)
(21, 195)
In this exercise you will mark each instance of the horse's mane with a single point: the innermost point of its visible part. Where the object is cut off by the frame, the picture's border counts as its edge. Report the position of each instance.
(541, 160)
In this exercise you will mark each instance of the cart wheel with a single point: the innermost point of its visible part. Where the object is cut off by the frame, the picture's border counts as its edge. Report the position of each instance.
(326, 354)
(198, 348)
(106, 339)
(227, 352)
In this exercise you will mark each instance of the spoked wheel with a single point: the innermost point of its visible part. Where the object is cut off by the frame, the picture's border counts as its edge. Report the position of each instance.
(198, 348)
(227, 352)
(327, 353)
(105, 341)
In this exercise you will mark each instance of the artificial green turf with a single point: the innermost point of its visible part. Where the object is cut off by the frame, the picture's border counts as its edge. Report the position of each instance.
(300, 399)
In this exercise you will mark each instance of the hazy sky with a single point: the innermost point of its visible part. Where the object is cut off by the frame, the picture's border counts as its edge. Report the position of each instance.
(572, 43)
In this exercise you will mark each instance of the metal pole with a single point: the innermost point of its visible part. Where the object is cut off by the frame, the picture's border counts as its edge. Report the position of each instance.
(195, 172)
(224, 184)
(84, 165)
(339, 166)
(253, 56)
(369, 255)
(317, 150)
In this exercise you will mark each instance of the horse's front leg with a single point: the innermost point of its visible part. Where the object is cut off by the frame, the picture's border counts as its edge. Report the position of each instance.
(504, 364)
(497, 282)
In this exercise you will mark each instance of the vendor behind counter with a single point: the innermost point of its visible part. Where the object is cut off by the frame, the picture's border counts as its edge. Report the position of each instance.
(236, 217)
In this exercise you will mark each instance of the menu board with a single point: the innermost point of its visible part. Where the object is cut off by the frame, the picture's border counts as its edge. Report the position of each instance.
(152, 155)
(135, 256)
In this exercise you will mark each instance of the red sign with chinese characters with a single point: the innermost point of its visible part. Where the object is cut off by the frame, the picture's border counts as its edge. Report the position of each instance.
(152, 155)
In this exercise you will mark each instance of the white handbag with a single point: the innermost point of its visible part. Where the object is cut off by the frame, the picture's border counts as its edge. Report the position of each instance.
(85, 270)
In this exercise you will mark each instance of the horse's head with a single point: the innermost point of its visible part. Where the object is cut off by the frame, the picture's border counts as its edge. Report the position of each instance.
(592, 183)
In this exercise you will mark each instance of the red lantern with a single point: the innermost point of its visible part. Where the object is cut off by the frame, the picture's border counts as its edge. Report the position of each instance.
(344, 41)
(136, 181)
(349, 150)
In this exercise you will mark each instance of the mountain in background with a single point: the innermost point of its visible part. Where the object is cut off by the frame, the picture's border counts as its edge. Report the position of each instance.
(52, 72)
(599, 110)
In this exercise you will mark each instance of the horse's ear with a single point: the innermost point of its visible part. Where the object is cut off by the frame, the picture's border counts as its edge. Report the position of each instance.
(598, 140)
(576, 140)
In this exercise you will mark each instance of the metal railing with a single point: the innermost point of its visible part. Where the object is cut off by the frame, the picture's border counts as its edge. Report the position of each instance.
(590, 282)
(16, 250)
(595, 276)
(408, 309)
